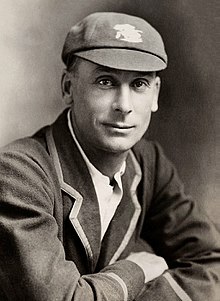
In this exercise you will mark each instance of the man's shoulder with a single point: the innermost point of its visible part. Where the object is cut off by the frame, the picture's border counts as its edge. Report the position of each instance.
(29, 144)
(35, 143)
(147, 148)
(151, 156)
(32, 147)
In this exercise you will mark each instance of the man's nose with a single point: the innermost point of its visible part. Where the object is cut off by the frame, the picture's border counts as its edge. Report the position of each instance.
(123, 102)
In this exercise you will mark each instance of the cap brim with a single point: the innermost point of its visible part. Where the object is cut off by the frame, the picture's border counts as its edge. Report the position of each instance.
(124, 59)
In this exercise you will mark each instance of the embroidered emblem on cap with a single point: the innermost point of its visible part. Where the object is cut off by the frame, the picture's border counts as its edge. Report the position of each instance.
(128, 33)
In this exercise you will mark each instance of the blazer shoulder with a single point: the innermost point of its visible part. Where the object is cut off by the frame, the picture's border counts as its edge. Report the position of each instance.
(147, 150)
(32, 149)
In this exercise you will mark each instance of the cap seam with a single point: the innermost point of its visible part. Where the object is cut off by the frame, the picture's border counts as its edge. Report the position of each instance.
(94, 28)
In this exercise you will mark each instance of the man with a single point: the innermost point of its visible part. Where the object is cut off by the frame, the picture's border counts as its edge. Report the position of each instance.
(89, 209)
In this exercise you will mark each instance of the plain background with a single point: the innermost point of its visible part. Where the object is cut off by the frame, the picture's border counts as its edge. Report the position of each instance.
(31, 40)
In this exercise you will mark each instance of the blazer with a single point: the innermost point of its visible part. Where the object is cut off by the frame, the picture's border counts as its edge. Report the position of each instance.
(50, 246)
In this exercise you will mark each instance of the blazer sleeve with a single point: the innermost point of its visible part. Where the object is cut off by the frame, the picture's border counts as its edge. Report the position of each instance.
(180, 231)
(32, 258)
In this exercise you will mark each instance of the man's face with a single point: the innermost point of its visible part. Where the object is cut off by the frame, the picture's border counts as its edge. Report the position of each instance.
(111, 108)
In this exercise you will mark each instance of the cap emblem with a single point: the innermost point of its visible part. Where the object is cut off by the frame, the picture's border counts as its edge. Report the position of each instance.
(128, 33)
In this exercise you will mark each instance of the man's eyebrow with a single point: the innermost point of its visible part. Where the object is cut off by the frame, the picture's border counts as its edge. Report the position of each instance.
(106, 69)
(117, 71)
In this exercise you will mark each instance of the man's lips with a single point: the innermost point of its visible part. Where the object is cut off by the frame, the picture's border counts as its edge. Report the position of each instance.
(118, 125)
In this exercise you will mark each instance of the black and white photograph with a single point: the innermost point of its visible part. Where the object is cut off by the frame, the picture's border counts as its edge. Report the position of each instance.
(109, 150)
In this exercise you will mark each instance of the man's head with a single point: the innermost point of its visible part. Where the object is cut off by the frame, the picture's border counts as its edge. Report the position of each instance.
(110, 80)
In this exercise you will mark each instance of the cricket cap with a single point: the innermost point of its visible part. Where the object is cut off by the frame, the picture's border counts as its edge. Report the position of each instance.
(117, 41)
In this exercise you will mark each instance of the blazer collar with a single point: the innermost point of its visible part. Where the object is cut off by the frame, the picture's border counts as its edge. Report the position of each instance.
(76, 181)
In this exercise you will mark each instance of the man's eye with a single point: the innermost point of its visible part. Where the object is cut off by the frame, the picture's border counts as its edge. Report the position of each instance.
(105, 82)
(141, 85)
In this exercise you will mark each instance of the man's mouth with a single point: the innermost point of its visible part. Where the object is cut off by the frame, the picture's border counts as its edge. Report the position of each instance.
(118, 125)
(119, 128)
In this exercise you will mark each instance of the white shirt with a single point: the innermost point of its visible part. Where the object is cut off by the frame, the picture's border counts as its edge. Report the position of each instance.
(108, 198)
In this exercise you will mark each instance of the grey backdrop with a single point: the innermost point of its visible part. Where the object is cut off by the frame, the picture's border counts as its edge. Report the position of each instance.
(31, 39)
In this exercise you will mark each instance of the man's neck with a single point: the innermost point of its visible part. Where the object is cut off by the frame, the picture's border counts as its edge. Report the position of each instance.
(109, 164)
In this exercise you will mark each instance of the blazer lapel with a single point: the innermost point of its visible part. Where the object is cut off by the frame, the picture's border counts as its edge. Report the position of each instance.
(76, 181)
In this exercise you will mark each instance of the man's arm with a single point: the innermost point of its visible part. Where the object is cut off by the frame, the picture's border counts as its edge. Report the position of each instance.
(181, 233)
(32, 258)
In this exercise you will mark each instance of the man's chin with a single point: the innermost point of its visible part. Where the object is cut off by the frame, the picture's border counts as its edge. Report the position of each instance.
(119, 147)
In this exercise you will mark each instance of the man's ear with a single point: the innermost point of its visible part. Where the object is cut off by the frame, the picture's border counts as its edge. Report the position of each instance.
(154, 107)
(66, 86)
